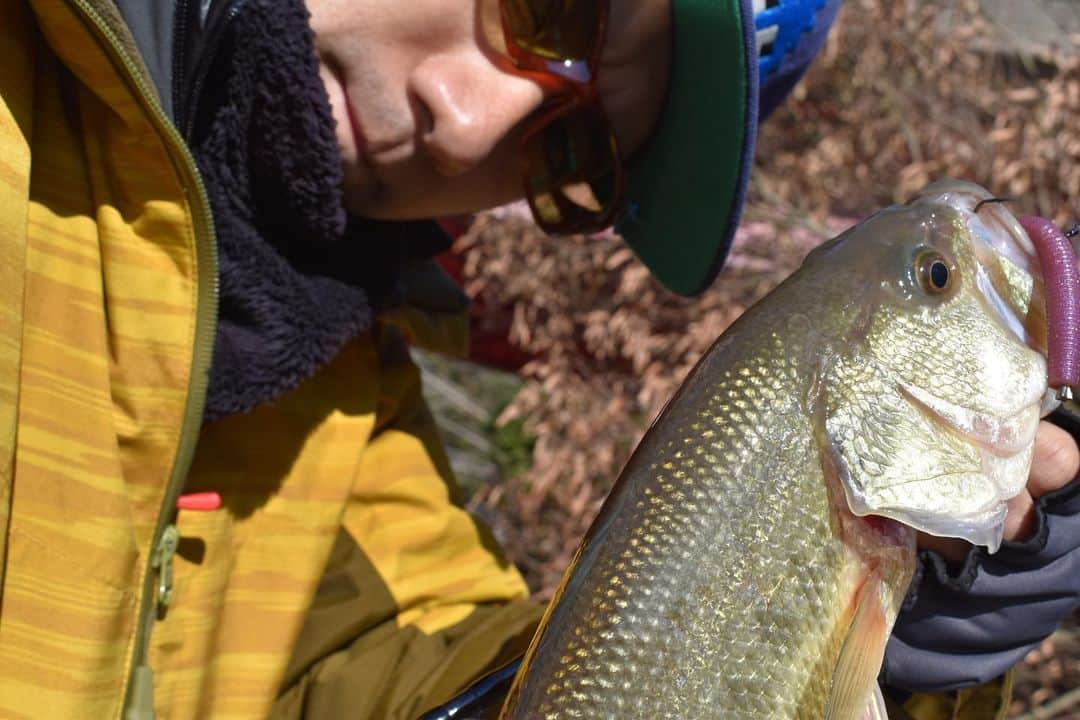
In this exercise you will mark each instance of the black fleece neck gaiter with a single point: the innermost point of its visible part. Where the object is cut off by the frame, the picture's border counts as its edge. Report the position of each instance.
(298, 278)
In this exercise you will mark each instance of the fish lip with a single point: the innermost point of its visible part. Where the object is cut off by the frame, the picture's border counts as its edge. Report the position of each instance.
(1002, 234)
(1001, 437)
(964, 197)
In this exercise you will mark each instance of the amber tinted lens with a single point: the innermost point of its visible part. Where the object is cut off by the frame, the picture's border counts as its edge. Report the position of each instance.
(572, 171)
(555, 29)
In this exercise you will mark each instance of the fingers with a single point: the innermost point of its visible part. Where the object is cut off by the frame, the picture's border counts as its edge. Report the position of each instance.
(1056, 460)
(1020, 520)
(1055, 463)
(1019, 526)
(953, 550)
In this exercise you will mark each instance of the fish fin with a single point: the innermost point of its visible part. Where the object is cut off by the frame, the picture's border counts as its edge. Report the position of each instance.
(860, 658)
(875, 706)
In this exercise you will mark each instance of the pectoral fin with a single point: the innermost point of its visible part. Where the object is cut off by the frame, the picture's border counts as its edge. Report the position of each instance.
(875, 706)
(855, 676)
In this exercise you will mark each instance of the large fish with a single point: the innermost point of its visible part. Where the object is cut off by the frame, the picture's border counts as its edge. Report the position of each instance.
(754, 553)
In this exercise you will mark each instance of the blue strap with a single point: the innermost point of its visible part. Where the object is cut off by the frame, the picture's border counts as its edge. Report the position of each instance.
(475, 693)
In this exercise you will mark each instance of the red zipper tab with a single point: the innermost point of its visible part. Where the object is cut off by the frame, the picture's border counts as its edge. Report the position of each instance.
(202, 501)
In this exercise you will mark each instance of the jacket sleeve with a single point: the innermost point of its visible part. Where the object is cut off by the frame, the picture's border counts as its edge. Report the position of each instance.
(959, 630)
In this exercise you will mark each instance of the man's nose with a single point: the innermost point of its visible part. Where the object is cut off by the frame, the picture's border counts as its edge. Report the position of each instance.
(471, 106)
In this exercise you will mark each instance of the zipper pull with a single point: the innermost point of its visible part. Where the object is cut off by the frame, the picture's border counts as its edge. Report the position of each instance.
(163, 563)
(140, 704)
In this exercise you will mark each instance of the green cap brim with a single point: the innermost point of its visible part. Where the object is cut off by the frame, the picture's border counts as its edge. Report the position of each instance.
(685, 187)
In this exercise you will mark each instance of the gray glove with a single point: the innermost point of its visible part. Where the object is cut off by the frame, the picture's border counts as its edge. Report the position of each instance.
(969, 628)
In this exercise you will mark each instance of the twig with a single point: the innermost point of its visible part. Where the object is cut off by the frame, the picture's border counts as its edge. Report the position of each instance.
(1053, 708)
(898, 104)
(464, 434)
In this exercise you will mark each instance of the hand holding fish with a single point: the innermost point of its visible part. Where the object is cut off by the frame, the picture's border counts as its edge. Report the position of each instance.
(970, 616)
(1055, 463)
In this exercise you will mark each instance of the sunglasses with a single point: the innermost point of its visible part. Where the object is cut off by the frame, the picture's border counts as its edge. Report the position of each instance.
(573, 168)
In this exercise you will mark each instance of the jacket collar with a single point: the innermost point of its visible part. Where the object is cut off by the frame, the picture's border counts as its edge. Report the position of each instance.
(147, 27)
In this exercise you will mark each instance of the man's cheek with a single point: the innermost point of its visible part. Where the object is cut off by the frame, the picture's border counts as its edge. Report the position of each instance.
(340, 114)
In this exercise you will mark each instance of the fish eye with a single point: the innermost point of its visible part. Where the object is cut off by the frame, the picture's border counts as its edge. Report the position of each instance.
(934, 272)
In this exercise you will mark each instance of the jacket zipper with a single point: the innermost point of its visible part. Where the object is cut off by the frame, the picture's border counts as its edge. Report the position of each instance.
(157, 577)
(179, 59)
(187, 104)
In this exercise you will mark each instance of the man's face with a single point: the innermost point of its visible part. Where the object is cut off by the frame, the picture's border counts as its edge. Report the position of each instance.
(429, 110)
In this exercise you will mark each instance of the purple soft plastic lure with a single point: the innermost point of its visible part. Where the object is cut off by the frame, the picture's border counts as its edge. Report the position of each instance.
(1061, 277)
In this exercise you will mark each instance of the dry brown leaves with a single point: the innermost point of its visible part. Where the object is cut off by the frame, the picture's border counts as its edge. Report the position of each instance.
(910, 91)
(903, 93)
(1048, 675)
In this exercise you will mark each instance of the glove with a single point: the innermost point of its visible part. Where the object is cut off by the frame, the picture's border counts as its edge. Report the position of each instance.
(967, 629)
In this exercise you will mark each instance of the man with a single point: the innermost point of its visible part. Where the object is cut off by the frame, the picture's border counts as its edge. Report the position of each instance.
(220, 493)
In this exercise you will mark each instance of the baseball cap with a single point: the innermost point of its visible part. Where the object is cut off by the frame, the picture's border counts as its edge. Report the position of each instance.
(732, 62)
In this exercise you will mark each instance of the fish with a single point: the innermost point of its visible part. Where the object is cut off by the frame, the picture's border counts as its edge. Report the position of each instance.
(754, 553)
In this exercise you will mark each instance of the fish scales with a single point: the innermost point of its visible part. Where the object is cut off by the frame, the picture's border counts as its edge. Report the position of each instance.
(679, 597)
(753, 555)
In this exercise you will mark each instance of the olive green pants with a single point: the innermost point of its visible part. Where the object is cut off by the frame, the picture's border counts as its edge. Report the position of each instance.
(354, 660)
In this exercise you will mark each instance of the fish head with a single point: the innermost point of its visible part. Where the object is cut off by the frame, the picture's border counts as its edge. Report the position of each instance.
(930, 395)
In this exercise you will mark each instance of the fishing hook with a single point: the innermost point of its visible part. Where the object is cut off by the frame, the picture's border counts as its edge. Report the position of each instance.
(992, 200)
(1073, 231)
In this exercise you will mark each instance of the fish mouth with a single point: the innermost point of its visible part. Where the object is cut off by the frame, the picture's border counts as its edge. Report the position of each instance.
(1005, 444)
(1002, 436)
(1035, 300)
(995, 227)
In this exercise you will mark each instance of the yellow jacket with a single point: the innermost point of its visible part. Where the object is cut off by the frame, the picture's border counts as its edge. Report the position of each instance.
(338, 577)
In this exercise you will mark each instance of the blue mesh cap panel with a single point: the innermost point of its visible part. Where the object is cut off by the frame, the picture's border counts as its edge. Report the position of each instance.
(789, 35)
(781, 25)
